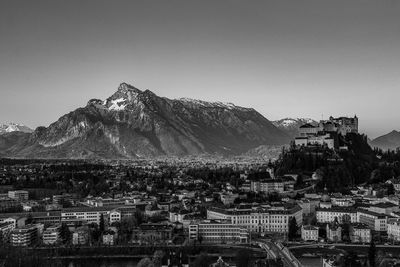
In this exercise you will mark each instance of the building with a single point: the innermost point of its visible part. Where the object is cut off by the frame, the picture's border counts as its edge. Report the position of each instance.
(5, 231)
(218, 232)
(360, 233)
(309, 233)
(267, 186)
(25, 236)
(80, 236)
(91, 215)
(393, 229)
(228, 198)
(6, 204)
(341, 214)
(52, 235)
(19, 195)
(259, 219)
(384, 208)
(152, 233)
(109, 237)
(375, 221)
(333, 232)
(344, 125)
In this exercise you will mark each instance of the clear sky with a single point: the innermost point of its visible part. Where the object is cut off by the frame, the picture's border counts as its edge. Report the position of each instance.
(298, 58)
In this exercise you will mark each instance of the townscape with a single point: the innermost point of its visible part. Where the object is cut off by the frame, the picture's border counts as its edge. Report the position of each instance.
(197, 211)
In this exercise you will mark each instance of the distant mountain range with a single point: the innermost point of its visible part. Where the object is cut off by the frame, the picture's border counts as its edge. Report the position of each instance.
(291, 125)
(133, 123)
(14, 127)
(387, 141)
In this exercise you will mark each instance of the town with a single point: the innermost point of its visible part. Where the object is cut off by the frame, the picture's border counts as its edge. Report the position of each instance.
(193, 202)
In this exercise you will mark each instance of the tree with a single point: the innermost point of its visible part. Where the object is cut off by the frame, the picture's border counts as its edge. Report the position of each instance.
(145, 262)
(157, 258)
(292, 228)
(372, 254)
(202, 260)
(101, 225)
(242, 258)
(65, 233)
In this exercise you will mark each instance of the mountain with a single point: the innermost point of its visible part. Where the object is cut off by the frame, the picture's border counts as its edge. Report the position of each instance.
(291, 126)
(387, 141)
(14, 127)
(133, 123)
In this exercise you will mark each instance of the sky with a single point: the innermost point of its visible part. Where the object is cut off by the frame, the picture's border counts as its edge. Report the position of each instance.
(285, 58)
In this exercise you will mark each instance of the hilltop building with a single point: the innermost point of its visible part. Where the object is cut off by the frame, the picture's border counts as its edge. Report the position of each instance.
(323, 133)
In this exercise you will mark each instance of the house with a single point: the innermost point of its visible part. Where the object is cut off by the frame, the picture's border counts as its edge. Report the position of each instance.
(80, 236)
(152, 233)
(52, 235)
(333, 232)
(309, 233)
(360, 233)
(25, 236)
(109, 237)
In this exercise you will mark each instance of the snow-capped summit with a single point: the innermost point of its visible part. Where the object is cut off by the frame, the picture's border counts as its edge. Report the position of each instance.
(291, 125)
(14, 127)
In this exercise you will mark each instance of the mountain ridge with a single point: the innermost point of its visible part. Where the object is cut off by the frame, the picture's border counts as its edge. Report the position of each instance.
(133, 123)
(388, 141)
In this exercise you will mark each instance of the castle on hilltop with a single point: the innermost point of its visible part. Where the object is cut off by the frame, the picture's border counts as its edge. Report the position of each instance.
(323, 133)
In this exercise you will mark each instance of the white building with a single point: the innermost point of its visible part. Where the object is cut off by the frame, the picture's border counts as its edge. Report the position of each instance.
(393, 229)
(360, 233)
(19, 195)
(309, 233)
(218, 232)
(375, 221)
(24, 237)
(52, 235)
(260, 219)
(339, 213)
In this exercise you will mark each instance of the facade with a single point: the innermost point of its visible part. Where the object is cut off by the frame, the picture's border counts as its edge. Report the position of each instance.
(393, 229)
(19, 195)
(109, 238)
(333, 232)
(328, 215)
(5, 231)
(360, 233)
(375, 221)
(152, 233)
(89, 215)
(80, 236)
(52, 235)
(267, 186)
(262, 219)
(24, 237)
(218, 232)
(309, 233)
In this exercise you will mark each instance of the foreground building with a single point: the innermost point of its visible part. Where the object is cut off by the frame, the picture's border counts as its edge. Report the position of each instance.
(218, 232)
(25, 236)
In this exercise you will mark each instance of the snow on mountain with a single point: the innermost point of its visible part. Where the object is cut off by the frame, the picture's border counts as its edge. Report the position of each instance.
(291, 125)
(133, 122)
(14, 127)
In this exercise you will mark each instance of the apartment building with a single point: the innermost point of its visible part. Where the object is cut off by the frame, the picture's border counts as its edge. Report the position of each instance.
(25, 236)
(52, 235)
(5, 231)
